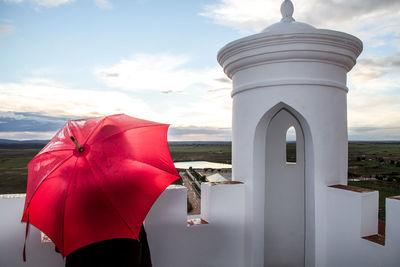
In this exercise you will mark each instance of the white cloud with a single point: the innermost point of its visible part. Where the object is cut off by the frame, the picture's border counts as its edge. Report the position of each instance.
(157, 72)
(242, 14)
(195, 133)
(45, 3)
(203, 108)
(27, 135)
(13, 1)
(156, 87)
(201, 112)
(6, 29)
(9, 114)
(374, 133)
(374, 67)
(103, 4)
(374, 96)
(50, 98)
(147, 72)
(373, 110)
(349, 15)
(200, 96)
(53, 3)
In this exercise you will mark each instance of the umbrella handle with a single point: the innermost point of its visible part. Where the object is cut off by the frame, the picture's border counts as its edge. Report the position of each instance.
(26, 236)
(80, 149)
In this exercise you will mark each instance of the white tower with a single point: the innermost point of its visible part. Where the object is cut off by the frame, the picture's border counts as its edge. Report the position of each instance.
(290, 74)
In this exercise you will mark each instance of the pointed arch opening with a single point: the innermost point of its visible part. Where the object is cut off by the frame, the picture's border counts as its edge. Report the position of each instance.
(268, 141)
(284, 227)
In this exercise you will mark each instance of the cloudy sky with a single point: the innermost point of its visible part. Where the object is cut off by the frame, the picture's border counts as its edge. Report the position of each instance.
(156, 60)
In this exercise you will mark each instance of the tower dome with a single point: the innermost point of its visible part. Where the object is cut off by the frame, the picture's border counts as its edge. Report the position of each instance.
(290, 40)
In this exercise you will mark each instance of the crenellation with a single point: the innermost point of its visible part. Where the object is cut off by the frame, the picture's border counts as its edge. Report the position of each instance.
(218, 229)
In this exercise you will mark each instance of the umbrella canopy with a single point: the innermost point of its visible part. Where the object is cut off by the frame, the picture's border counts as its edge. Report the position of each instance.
(99, 184)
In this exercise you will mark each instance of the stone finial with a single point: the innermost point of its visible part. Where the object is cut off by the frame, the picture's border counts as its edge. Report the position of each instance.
(287, 11)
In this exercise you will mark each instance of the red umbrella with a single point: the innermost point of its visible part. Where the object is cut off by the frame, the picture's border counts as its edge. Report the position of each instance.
(97, 179)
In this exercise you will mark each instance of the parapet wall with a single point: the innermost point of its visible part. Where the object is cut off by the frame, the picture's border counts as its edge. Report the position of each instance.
(217, 238)
(173, 241)
(12, 235)
(352, 229)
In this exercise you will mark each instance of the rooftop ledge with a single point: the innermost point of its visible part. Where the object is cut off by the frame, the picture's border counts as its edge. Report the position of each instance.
(351, 188)
(378, 239)
(196, 221)
(12, 195)
(224, 182)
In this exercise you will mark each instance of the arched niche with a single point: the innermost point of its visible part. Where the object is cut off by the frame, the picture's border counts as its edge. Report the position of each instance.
(284, 204)
(274, 224)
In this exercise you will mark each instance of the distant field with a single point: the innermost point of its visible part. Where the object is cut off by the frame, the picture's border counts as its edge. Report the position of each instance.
(368, 148)
(366, 159)
(192, 152)
(378, 160)
(13, 169)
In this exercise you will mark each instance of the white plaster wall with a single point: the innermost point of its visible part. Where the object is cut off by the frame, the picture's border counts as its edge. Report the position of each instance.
(353, 215)
(219, 243)
(391, 255)
(12, 235)
(300, 71)
(303, 70)
(323, 117)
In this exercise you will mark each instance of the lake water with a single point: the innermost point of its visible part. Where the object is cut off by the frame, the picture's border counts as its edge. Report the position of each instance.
(201, 165)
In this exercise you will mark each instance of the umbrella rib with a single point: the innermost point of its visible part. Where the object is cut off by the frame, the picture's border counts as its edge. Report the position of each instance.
(98, 126)
(65, 200)
(47, 175)
(123, 131)
(69, 128)
(109, 200)
(49, 152)
(155, 167)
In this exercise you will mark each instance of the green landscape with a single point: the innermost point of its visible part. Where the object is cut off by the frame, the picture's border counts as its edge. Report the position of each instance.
(378, 160)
